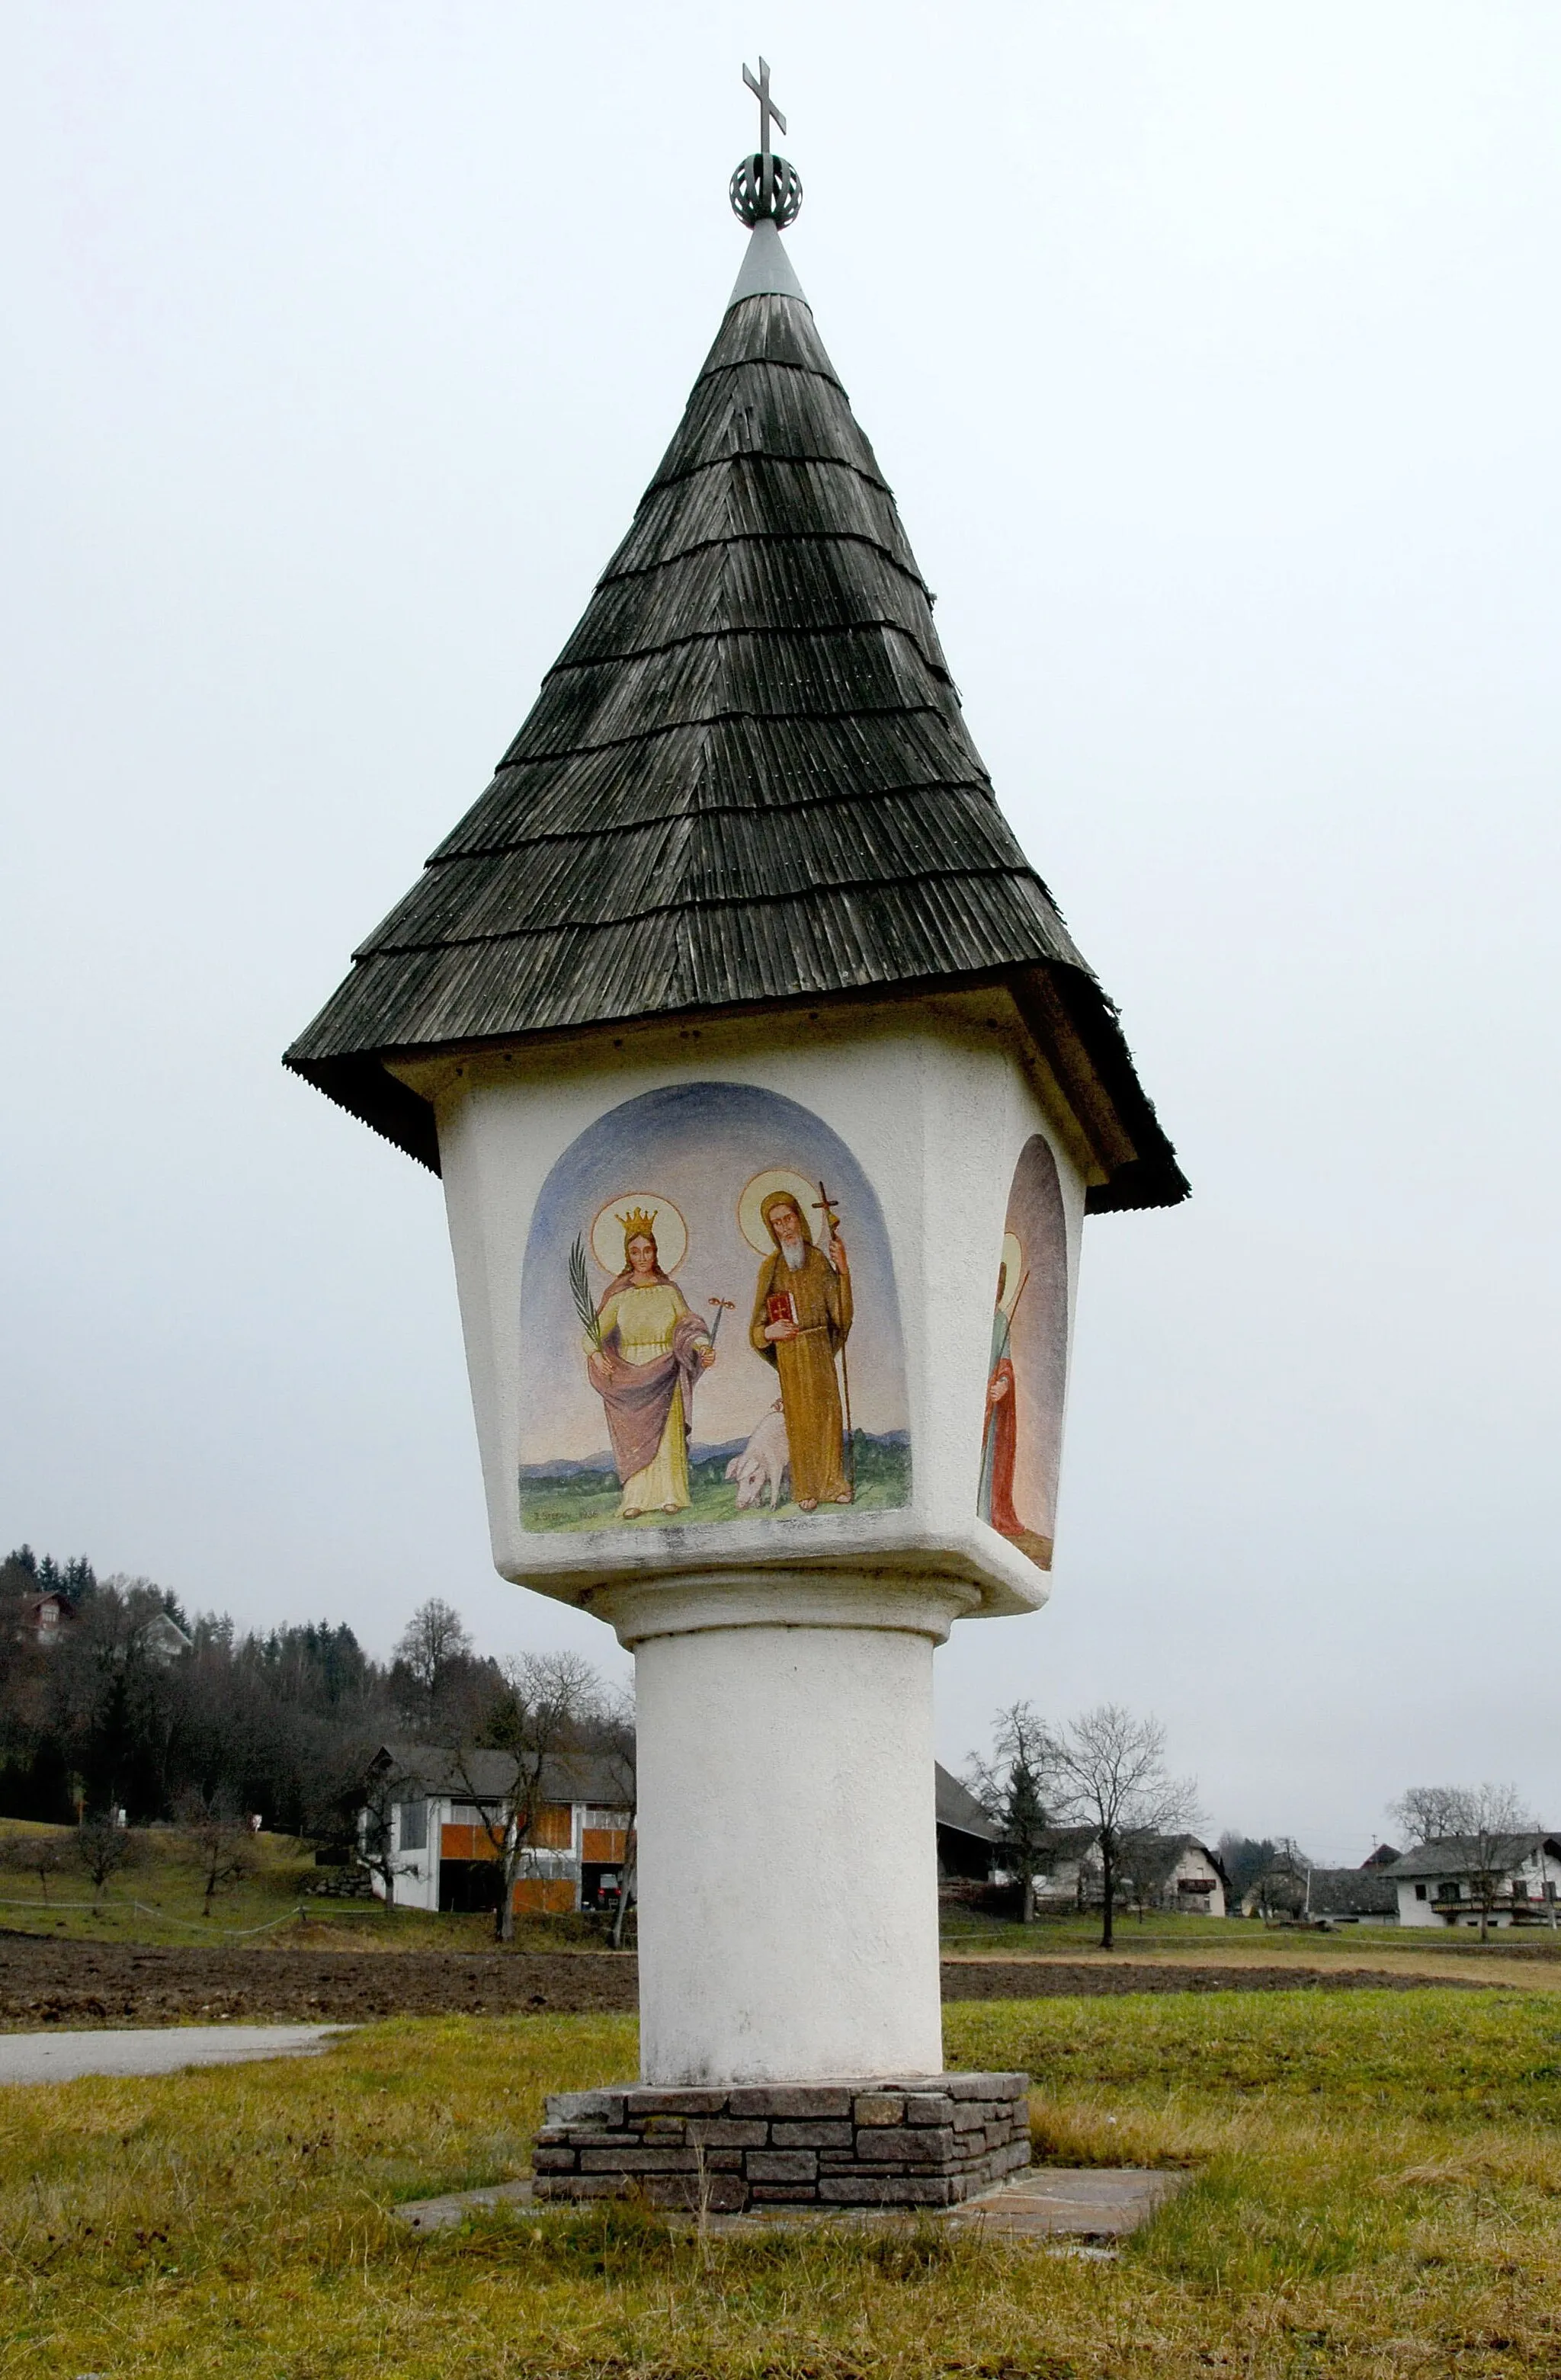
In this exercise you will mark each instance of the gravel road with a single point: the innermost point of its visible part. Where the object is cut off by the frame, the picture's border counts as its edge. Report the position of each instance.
(62, 2057)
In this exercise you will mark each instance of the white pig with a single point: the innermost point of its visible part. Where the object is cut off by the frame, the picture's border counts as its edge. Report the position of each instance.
(763, 1462)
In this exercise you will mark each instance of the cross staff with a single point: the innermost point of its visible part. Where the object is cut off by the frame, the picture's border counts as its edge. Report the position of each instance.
(1006, 1340)
(768, 113)
(826, 1206)
(1004, 1343)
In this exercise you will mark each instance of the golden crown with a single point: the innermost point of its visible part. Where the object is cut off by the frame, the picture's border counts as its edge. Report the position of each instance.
(638, 1221)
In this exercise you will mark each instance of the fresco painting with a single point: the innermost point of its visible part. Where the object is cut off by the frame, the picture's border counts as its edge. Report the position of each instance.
(1027, 1372)
(708, 1322)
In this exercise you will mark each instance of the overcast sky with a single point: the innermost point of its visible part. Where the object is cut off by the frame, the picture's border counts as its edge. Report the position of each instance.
(1212, 353)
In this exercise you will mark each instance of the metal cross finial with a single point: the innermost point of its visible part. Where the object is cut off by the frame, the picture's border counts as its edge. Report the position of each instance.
(768, 111)
(765, 188)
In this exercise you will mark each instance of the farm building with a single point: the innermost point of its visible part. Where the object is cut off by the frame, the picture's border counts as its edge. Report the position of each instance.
(1447, 1883)
(444, 1814)
(1167, 1872)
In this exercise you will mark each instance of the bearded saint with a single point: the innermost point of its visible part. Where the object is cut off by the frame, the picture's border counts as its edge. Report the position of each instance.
(801, 1320)
(648, 1353)
(994, 1499)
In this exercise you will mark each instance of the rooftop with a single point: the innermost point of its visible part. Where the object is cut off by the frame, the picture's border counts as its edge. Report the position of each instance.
(430, 1770)
(1464, 1855)
(747, 781)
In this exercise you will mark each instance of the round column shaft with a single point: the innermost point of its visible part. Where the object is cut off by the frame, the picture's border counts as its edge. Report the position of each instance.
(788, 1854)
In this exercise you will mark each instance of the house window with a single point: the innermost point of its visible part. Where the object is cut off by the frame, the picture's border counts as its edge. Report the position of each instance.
(1419, 1892)
(1519, 1889)
(1451, 1892)
(413, 1826)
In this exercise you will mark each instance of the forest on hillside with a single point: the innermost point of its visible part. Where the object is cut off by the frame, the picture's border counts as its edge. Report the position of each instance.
(106, 1710)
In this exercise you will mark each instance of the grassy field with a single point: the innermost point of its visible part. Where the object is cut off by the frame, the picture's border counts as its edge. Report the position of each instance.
(1376, 2190)
(159, 1899)
(1217, 1938)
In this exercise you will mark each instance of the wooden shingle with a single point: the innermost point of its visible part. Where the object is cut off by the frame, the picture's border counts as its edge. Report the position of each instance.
(747, 779)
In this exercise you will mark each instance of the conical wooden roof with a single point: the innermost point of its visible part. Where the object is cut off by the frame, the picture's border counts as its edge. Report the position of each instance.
(747, 779)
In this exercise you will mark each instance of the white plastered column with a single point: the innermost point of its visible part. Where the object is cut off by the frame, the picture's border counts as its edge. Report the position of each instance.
(787, 1851)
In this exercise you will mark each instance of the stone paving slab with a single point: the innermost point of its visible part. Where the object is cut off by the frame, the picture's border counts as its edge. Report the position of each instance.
(1045, 2203)
(1074, 2201)
(57, 2056)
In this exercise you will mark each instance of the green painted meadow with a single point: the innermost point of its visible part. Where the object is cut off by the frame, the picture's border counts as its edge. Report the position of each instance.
(590, 1500)
(1374, 2187)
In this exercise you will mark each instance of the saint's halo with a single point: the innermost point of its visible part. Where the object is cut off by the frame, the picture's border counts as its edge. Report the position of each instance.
(668, 1229)
(1013, 1272)
(751, 1223)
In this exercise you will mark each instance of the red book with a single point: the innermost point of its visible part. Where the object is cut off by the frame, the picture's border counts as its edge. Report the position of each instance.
(780, 1306)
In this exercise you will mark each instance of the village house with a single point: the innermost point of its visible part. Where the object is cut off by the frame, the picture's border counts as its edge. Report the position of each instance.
(445, 1815)
(1163, 1872)
(969, 1845)
(1446, 1883)
(442, 1839)
(46, 1617)
(162, 1640)
(47, 1614)
(1341, 1896)
(1353, 1895)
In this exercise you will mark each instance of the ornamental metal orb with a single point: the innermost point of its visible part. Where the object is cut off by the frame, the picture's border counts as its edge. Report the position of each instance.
(749, 195)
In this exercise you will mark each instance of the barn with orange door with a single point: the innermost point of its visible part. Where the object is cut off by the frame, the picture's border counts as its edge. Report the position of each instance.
(441, 1822)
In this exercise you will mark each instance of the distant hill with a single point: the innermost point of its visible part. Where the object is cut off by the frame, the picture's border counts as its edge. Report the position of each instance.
(698, 1454)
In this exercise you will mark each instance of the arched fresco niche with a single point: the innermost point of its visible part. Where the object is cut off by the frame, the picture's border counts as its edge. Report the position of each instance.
(709, 1329)
(1027, 1376)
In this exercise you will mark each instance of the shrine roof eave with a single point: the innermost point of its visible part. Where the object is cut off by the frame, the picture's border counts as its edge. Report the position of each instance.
(1073, 1025)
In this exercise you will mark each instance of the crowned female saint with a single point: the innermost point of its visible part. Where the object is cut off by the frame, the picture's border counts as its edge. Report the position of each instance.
(643, 1355)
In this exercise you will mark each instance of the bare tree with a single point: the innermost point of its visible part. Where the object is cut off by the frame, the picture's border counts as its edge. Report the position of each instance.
(1008, 1788)
(614, 1739)
(1284, 1887)
(1496, 1818)
(433, 1653)
(1106, 1770)
(43, 1853)
(1483, 1827)
(542, 1704)
(104, 1849)
(1246, 1861)
(1150, 1862)
(219, 1841)
(384, 1784)
(1429, 1814)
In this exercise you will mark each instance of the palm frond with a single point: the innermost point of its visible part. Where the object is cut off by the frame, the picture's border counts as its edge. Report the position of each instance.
(580, 1284)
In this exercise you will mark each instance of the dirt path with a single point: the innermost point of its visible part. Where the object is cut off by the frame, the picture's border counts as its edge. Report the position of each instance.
(45, 1981)
(1533, 1967)
(110, 1983)
(1036, 1979)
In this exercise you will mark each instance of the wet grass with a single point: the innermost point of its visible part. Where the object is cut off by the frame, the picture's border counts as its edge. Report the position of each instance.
(1376, 2189)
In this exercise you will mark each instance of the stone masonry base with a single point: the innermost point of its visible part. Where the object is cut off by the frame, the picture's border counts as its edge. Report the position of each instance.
(910, 2140)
